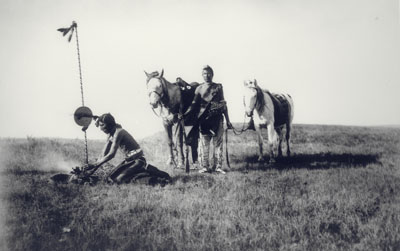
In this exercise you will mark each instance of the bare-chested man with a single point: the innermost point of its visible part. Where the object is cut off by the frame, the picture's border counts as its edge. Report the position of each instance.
(134, 162)
(210, 103)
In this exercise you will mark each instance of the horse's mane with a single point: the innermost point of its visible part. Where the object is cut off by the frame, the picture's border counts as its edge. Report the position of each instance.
(179, 81)
(170, 90)
(154, 74)
(260, 101)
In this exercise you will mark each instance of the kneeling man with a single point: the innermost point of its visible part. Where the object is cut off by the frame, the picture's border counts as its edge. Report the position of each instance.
(134, 162)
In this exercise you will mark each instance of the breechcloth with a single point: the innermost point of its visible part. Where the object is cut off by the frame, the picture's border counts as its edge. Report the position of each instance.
(209, 122)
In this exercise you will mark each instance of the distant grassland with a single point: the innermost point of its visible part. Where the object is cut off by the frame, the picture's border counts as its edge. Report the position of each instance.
(339, 191)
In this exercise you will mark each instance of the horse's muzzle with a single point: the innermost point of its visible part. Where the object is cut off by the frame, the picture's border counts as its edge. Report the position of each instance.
(154, 105)
(249, 114)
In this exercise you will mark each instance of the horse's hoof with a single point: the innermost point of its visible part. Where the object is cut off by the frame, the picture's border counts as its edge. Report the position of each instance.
(271, 161)
(180, 165)
(196, 165)
(260, 159)
(170, 162)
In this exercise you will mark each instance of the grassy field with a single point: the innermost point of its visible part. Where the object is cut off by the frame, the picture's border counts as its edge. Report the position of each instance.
(339, 191)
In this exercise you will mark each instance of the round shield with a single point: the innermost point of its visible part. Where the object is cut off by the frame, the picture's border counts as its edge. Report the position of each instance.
(83, 116)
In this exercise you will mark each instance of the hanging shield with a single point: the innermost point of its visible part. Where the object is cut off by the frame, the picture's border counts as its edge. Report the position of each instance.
(83, 116)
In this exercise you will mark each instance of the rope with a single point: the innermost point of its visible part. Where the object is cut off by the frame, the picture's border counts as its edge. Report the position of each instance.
(81, 83)
(226, 148)
(79, 64)
(74, 28)
(236, 132)
(178, 126)
(174, 149)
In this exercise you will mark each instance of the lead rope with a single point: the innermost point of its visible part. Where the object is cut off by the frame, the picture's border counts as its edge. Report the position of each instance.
(65, 31)
(236, 132)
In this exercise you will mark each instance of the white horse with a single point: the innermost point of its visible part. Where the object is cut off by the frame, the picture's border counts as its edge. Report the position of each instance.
(274, 111)
(173, 99)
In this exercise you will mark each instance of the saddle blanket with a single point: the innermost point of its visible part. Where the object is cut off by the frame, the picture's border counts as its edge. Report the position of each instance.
(281, 108)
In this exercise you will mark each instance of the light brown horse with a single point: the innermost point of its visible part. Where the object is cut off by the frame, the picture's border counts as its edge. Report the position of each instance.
(274, 111)
(172, 100)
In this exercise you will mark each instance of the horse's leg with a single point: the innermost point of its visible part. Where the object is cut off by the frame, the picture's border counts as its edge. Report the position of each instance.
(194, 144)
(271, 140)
(195, 154)
(260, 143)
(280, 135)
(180, 145)
(187, 165)
(168, 130)
(288, 129)
(200, 152)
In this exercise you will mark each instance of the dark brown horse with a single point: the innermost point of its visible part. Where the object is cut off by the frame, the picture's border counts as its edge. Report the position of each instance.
(172, 100)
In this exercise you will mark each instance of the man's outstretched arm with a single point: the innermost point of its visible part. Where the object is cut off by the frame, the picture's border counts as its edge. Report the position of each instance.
(109, 152)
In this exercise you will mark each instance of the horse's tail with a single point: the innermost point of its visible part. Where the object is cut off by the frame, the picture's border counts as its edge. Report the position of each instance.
(291, 107)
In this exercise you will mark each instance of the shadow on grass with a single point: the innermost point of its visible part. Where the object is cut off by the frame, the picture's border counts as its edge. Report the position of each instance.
(195, 179)
(312, 161)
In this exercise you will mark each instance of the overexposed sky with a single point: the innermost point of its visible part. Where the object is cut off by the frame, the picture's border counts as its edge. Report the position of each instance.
(339, 59)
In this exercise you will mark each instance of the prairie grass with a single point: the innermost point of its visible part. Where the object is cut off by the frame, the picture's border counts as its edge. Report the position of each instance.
(339, 191)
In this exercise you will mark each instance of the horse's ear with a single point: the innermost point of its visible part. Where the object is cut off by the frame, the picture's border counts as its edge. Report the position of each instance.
(255, 83)
(162, 73)
(147, 75)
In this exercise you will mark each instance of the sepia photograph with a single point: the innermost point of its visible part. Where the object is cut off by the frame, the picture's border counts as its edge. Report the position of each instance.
(200, 125)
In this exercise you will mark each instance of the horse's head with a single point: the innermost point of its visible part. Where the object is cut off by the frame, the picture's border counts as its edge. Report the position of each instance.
(250, 96)
(155, 87)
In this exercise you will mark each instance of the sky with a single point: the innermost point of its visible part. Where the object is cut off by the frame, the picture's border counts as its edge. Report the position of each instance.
(339, 60)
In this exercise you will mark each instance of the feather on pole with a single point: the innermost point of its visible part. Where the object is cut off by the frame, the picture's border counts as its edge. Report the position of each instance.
(70, 30)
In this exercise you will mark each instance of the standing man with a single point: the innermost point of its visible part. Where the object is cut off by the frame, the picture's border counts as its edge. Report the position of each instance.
(134, 162)
(210, 105)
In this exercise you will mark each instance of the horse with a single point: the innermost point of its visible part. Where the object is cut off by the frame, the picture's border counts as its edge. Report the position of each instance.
(172, 100)
(274, 112)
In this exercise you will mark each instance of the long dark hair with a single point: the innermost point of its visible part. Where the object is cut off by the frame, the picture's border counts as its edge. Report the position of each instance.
(108, 120)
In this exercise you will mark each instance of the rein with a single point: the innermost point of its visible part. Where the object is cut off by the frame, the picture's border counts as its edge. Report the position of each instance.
(158, 115)
(259, 103)
(164, 102)
(163, 96)
(242, 130)
(236, 132)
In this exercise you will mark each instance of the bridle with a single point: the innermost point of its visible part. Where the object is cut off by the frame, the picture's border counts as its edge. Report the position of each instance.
(255, 103)
(163, 96)
(163, 100)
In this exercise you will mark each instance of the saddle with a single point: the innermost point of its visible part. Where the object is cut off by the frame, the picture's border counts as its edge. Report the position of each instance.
(187, 92)
(190, 121)
(281, 108)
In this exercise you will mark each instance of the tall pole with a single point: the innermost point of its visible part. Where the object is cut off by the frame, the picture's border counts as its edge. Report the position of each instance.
(81, 82)
(65, 31)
